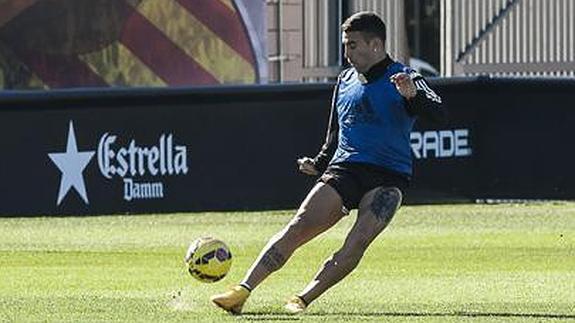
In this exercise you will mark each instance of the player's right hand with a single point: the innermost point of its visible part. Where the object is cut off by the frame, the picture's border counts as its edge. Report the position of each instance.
(307, 166)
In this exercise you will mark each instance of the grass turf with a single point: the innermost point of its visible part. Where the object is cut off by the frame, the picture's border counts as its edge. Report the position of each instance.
(455, 263)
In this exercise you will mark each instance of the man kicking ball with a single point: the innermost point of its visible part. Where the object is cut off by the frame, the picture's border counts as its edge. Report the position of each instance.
(366, 163)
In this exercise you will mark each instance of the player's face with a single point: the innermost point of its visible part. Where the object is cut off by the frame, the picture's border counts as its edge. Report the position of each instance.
(359, 52)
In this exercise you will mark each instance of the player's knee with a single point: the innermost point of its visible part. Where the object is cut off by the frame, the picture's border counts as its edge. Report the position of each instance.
(347, 259)
(352, 250)
(362, 243)
(297, 228)
(356, 246)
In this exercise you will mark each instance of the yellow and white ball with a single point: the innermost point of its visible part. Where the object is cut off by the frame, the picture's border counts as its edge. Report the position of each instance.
(208, 259)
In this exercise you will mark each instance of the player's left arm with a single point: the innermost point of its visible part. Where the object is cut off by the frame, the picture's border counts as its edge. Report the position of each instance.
(420, 99)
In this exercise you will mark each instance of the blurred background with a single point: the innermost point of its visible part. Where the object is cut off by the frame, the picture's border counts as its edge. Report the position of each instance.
(86, 43)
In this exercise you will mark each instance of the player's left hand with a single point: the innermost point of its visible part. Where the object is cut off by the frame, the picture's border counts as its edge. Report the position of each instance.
(404, 85)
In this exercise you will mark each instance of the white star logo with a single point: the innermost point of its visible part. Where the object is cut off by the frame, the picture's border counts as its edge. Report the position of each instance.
(72, 164)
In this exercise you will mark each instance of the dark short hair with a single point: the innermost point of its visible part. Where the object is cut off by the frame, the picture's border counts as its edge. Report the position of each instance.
(366, 22)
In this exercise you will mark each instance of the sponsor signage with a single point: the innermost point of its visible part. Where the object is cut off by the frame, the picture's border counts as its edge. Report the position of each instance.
(133, 162)
(132, 152)
(169, 150)
(440, 144)
(130, 163)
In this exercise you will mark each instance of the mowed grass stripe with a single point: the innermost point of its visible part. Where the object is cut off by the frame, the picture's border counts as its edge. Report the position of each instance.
(460, 263)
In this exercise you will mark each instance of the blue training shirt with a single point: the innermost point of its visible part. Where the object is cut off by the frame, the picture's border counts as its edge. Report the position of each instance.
(374, 124)
(370, 122)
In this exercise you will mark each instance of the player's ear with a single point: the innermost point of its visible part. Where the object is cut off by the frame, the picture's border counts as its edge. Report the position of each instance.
(376, 44)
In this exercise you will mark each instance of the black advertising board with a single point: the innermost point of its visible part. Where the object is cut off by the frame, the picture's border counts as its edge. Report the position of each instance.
(513, 138)
(234, 148)
(134, 152)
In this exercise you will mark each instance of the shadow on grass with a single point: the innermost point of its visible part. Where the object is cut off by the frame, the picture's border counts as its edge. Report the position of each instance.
(281, 316)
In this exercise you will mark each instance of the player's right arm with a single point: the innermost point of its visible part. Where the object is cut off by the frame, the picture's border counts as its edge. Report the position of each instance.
(307, 166)
(316, 165)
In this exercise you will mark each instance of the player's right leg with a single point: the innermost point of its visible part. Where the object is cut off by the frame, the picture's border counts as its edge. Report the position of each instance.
(320, 210)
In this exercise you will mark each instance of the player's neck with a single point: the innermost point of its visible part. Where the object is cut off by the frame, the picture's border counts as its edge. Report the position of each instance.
(378, 69)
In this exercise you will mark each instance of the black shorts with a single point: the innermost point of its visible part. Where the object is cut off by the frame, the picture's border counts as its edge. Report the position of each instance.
(353, 180)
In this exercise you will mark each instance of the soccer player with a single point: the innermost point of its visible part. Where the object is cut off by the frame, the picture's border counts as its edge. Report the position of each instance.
(366, 163)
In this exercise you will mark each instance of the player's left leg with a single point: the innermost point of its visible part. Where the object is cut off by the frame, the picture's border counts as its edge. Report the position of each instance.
(376, 210)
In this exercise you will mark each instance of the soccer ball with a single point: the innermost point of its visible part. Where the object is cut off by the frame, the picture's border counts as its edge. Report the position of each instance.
(208, 259)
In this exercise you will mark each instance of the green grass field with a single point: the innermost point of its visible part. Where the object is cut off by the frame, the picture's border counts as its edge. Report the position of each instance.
(511, 263)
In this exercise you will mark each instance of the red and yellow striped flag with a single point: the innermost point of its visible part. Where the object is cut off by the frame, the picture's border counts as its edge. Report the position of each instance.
(86, 43)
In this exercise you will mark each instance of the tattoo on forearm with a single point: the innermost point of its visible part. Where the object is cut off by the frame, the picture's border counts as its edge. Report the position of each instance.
(384, 204)
(272, 260)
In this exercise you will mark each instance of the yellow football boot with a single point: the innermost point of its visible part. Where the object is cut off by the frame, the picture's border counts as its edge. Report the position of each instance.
(233, 300)
(295, 305)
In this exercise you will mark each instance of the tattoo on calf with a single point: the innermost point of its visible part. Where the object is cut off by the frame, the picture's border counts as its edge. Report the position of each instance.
(273, 259)
(384, 204)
